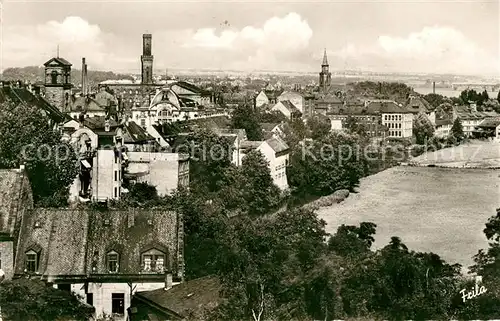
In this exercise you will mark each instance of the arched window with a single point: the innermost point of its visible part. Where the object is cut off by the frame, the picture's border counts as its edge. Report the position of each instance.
(153, 261)
(31, 261)
(112, 262)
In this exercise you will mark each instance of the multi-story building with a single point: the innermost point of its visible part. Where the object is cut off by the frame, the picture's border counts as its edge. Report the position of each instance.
(261, 99)
(443, 127)
(470, 118)
(58, 83)
(397, 119)
(103, 256)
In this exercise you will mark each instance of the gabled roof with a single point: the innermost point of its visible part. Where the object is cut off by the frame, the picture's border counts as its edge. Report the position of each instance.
(489, 123)
(268, 126)
(86, 104)
(188, 299)
(418, 104)
(97, 123)
(23, 95)
(330, 98)
(277, 144)
(13, 186)
(290, 107)
(59, 60)
(191, 87)
(135, 134)
(388, 107)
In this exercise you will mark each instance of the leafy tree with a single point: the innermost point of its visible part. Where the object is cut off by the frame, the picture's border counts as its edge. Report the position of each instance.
(259, 193)
(141, 194)
(247, 118)
(435, 99)
(27, 138)
(34, 300)
(353, 240)
(324, 166)
(295, 131)
(422, 128)
(457, 130)
(319, 126)
(272, 117)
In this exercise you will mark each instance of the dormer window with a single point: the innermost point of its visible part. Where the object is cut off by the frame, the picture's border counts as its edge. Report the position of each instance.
(31, 261)
(153, 261)
(112, 262)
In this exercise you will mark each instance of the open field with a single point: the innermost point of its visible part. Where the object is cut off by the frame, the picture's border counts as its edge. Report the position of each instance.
(440, 210)
(482, 154)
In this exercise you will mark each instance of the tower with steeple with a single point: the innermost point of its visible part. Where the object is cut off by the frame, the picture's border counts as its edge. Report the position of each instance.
(325, 76)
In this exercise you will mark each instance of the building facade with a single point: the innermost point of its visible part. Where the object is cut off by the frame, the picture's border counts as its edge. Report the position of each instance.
(58, 83)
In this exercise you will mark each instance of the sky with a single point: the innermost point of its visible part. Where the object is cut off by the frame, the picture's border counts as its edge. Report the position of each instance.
(442, 36)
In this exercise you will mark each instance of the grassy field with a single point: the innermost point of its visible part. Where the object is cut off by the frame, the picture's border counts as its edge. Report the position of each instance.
(440, 210)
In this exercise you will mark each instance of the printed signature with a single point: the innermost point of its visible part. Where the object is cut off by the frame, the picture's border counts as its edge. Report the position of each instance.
(475, 291)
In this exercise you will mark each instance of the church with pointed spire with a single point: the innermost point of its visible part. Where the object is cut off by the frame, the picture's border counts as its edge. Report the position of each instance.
(325, 76)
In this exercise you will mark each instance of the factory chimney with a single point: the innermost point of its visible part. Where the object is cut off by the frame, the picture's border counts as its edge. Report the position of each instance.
(434, 87)
(83, 76)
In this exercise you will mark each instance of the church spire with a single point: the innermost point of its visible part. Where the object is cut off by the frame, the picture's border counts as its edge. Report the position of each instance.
(325, 59)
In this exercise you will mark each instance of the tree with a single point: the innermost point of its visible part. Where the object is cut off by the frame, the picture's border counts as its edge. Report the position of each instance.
(246, 117)
(260, 194)
(498, 96)
(34, 300)
(319, 126)
(435, 99)
(422, 128)
(26, 137)
(457, 130)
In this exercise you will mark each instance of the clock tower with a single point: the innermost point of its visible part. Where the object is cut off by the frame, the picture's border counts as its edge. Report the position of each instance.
(146, 60)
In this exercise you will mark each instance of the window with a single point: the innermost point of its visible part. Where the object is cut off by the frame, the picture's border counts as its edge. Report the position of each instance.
(153, 261)
(31, 261)
(399, 125)
(64, 287)
(117, 303)
(90, 299)
(116, 176)
(143, 122)
(116, 192)
(112, 262)
(119, 175)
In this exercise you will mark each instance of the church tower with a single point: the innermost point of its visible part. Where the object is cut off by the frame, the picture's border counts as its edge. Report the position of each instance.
(58, 83)
(325, 76)
(146, 60)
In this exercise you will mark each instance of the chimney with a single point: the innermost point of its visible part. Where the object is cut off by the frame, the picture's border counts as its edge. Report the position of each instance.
(433, 87)
(168, 281)
(83, 76)
(86, 81)
(106, 125)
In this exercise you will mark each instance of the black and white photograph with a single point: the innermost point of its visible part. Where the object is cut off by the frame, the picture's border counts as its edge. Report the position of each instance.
(249, 160)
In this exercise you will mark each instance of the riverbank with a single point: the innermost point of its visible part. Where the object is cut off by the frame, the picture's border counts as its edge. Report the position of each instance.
(440, 210)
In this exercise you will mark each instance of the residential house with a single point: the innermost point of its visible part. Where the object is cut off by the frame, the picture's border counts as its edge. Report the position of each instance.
(470, 118)
(295, 98)
(191, 95)
(272, 129)
(87, 106)
(443, 127)
(103, 256)
(489, 128)
(261, 99)
(276, 152)
(16, 199)
(418, 105)
(192, 299)
(288, 109)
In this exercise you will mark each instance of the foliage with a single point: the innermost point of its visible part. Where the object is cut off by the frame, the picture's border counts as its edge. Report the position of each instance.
(30, 300)
(319, 126)
(382, 90)
(247, 118)
(470, 95)
(423, 129)
(295, 131)
(26, 137)
(435, 99)
(271, 117)
(324, 166)
(457, 130)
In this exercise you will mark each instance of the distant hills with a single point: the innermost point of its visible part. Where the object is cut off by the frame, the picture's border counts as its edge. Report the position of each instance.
(36, 74)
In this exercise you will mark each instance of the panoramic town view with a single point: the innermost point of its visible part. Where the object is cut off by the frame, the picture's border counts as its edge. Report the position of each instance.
(249, 160)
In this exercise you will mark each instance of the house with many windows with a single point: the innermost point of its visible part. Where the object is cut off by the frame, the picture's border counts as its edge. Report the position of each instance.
(105, 257)
(397, 119)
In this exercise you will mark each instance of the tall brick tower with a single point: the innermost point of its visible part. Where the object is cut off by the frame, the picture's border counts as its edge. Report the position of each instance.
(146, 60)
(58, 83)
(325, 76)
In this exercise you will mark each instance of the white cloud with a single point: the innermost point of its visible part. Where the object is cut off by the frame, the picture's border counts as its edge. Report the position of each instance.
(279, 39)
(76, 38)
(433, 49)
